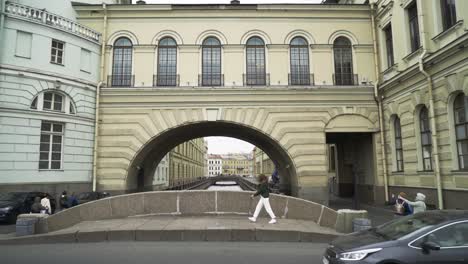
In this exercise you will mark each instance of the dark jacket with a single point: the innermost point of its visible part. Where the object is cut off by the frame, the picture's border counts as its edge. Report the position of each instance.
(263, 190)
(36, 207)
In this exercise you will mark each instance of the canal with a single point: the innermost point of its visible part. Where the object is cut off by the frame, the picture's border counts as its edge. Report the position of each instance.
(225, 186)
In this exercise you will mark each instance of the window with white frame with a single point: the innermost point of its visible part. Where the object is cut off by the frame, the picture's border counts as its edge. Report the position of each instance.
(51, 145)
(460, 110)
(53, 101)
(57, 50)
(426, 140)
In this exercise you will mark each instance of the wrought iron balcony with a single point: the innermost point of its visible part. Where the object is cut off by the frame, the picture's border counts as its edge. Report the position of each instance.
(211, 79)
(345, 79)
(252, 79)
(300, 79)
(42, 16)
(166, 80)
(121, 80)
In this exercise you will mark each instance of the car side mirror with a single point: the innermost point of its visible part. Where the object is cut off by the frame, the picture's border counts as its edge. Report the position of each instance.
(429, 245)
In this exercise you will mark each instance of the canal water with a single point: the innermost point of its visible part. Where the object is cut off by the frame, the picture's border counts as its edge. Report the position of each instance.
(225, 186)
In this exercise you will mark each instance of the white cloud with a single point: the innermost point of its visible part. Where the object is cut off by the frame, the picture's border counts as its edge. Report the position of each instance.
(225, 145)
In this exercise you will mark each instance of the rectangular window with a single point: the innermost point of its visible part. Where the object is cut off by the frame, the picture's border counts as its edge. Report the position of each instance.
(449, 15)
(53, 101)
(85, 60)
(50, 155)
(56, 53)
(23, 44)
(413, 26)
(389, 45)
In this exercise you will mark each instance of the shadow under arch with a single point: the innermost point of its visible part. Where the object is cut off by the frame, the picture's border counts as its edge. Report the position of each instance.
(158, 146)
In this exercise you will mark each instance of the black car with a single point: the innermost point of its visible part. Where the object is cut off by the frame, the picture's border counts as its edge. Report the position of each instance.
(428, 237)
(14, 203)
(85, 197)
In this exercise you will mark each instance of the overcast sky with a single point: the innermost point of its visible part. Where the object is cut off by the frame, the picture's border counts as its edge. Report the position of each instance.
(225, 145)
(228, 1)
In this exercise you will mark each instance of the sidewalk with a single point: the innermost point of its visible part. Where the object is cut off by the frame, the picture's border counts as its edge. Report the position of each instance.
(377, 214)
(177, 228)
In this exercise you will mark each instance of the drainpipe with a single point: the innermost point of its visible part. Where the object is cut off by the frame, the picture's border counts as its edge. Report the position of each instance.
(379, 102)
(432, 117)
(98, 92)
(2, 25)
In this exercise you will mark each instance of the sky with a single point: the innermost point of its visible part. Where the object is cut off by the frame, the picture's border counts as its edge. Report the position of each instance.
(225, 145)
(228, 1)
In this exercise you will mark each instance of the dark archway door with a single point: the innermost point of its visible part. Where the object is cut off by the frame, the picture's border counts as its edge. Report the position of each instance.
(156, 148)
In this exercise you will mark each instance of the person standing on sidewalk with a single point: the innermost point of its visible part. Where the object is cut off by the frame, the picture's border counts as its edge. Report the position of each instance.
(264, 192)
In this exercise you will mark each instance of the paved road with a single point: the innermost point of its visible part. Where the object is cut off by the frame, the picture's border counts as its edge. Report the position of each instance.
(165, 252)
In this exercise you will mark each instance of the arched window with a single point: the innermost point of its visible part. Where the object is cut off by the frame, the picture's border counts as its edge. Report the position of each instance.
(343, 57)
(53, 101)
(299, 58)
(460, 110)
(211, 63)
(256, 74)
(398, 145)
(426, 140)
(122, 63)
(167, 63)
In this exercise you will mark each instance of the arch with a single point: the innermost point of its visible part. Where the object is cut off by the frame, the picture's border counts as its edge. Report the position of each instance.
(343, 33)
(350, 123)
(211, 33)
(252, 33)
(122, 33)
(167, 33)
(299, 33)
(157, 147)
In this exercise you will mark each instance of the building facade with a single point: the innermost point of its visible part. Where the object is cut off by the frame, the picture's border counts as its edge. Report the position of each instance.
(423, 73)
(261, 163)
(49, 70)
(215, 165)
(236, 164)
(187, 162)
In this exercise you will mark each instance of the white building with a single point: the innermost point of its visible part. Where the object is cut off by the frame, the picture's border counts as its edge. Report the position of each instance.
(215, 165)
(161, 174)
(49, 70)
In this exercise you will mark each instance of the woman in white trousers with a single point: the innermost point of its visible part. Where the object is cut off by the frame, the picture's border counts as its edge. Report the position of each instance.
(264, 193)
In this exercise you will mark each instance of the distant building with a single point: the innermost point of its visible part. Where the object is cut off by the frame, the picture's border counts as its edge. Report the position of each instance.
(215, 165)
(262, 163)
(236, 164)
(187, 162)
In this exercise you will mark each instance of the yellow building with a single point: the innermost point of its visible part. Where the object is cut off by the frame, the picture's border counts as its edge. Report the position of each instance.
(236, 164)
(187, 162)
(314, 86)
(261, 163)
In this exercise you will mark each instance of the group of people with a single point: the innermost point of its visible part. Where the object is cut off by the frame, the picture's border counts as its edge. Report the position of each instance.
(42, 205)
(403, 206)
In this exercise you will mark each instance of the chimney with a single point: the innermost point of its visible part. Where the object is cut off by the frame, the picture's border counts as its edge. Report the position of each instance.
(140, 2)
(235, 2)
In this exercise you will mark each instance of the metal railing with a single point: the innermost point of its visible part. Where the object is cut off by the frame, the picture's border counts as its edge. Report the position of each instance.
(345, 79)
(252, 79)
(301, 79)
(42, 16)
(211, 79)
(121, 80)
(166, 80)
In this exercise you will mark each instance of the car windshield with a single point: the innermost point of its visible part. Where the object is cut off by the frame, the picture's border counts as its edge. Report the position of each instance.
(408, 224)
(12, 196)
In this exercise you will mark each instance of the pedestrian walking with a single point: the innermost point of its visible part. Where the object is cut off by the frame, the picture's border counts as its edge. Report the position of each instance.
(264, 192)
(419, 204)
(37, 207)
(45, 201)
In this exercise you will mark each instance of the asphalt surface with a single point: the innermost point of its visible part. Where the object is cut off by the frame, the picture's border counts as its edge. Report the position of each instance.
(165, 252)
(7, 228)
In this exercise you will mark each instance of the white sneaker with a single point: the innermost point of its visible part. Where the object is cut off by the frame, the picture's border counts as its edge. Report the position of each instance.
(252, 219)
(272, 221)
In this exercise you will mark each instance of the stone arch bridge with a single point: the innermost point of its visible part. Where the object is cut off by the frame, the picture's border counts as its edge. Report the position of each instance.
(294, 126)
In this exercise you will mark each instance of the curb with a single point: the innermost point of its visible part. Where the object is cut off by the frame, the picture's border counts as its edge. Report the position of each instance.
(232, 235)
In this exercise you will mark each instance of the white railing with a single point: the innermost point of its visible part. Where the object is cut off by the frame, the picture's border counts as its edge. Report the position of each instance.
(56, 21)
